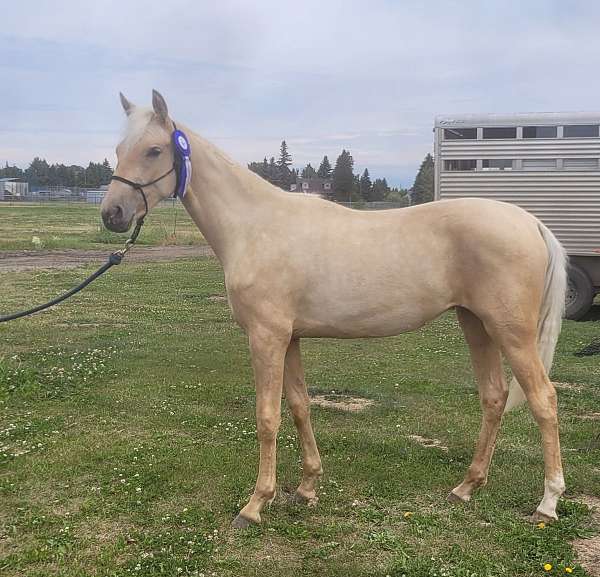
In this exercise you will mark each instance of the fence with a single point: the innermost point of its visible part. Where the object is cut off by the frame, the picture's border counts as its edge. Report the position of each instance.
(54, 194)
(76, 195)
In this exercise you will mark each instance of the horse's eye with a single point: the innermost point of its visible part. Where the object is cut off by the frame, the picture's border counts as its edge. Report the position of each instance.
(153, 152)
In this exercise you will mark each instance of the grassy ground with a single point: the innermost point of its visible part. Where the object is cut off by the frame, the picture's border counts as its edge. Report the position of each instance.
(62, 225)
(127, 444)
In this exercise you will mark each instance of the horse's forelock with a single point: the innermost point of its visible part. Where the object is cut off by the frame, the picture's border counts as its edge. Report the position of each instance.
(137, 124)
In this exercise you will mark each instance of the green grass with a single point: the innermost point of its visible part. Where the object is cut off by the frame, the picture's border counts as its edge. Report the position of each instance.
(79, 226)
(127, 444)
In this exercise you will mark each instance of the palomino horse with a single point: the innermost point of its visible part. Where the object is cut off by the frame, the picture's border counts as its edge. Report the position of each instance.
(305, 267)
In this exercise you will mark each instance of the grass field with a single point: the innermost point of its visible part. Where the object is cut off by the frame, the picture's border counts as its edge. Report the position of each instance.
(62, 225)
(127, 444)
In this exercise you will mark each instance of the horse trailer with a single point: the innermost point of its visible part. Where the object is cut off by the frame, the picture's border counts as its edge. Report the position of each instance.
(547, 163)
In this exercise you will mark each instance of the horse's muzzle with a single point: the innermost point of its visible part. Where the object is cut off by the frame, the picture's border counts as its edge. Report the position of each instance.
(114, 219)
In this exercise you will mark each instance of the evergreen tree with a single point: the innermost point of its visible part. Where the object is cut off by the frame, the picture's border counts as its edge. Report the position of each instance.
(422, 190)
(343, 177)
(365, 185)
(325, 168)
(308, 171)
(285, 158)
(106, 172)
(261, 168)
(273, 173)
(380, 189)
(286, 176)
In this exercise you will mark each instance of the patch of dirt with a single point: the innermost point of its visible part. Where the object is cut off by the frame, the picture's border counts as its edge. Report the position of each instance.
(590, 417)
(568, 386)
(429, 443)
(18, 261)
(342, 402)
(588, 550)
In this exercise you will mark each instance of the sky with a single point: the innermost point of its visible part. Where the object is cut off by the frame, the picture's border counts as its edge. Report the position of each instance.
(367, 76)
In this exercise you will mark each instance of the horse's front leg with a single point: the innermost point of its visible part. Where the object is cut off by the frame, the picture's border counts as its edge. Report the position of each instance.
(299, 404)
(268, 348)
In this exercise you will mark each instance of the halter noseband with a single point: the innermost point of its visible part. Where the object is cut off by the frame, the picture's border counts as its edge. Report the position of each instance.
(140, 187)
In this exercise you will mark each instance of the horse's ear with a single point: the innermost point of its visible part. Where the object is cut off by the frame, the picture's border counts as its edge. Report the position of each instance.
(127, 106)
(160, 106)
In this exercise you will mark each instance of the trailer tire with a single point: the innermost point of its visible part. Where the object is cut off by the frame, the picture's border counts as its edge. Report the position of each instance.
(580, 294)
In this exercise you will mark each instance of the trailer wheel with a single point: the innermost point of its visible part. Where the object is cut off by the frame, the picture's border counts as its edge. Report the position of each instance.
(580, 294)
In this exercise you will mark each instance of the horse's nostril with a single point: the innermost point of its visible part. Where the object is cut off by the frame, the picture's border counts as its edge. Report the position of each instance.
(112, 215)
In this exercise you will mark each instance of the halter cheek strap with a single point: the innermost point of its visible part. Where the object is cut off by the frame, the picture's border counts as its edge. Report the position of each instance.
(140, 187)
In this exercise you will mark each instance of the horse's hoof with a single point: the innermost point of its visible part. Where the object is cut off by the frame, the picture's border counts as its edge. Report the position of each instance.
(241, 523)
(454, 498)
(539, 517)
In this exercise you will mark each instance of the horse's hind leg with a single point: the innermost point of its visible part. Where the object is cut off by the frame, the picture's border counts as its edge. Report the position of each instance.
(527, 367)
(299, 403)
(486, 358)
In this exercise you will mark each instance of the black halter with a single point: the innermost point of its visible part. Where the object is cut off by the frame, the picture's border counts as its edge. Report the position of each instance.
(140, 187)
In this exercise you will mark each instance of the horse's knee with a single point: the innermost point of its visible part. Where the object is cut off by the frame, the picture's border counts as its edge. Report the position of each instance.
(493, 405)
(267, 426)
(300, 409)
(543, 403)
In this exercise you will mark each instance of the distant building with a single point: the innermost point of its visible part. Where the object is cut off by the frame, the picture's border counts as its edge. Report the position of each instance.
(315, 185)
(96, 196)
(13, 187)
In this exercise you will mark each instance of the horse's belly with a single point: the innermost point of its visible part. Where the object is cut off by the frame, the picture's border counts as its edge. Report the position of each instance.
(353, 322)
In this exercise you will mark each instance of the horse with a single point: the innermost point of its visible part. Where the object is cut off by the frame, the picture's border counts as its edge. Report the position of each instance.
(303, 267)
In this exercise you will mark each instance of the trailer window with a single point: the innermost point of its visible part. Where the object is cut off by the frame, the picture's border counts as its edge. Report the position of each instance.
(460, 133)
(460, 164)
(580, 163)
(539, 132)
(500, 132)
(539, 164)
(580, 130)
(496, 164)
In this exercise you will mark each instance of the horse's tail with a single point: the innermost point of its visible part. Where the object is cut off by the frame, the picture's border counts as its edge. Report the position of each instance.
(551, 312)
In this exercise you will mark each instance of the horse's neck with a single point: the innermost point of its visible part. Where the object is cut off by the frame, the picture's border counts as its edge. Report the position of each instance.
(224, 199)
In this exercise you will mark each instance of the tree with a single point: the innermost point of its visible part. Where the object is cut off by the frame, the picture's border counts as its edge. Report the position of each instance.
(285, 158)
(325, 168)
(422, 190)
(286, 176)
(365, 185)
(273, 172)
(380, 189)
(343, 177)
(261, 168)
(106, 172)
(308, 171)
(38, 172)
(398, 195)
(11, 172)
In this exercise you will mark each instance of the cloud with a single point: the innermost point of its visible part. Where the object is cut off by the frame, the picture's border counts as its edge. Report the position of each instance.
(369, 77)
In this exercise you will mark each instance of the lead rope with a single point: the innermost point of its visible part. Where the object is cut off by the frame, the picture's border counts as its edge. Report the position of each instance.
(113, 259)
